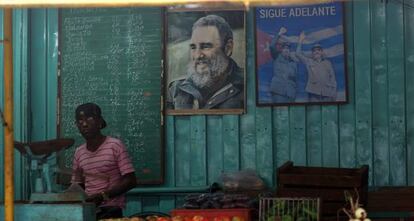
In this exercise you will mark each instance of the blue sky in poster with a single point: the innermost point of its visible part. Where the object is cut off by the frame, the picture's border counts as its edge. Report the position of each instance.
(310, 19)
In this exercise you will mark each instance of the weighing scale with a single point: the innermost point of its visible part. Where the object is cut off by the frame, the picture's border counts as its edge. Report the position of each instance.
(46, 204)
(39, 155)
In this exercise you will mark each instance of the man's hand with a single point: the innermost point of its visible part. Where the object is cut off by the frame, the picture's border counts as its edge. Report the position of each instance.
(282, 31)
(302, 36)
(95, 198)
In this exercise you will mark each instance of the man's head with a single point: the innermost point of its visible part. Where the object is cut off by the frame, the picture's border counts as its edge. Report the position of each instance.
(211, 47)
(285, 47)
(317, 52)
(89, 120)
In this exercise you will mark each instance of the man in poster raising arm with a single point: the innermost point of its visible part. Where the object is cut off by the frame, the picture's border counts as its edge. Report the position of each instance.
(214, 80)
(283, 85)
(321, 85)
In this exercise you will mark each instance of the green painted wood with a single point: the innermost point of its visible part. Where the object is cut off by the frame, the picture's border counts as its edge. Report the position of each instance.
(38, 74)
(179, 201)
(20, 109)
(330, 136)
(380, 94)
(231, 145)
(52, 212)
(167, 203)
(150, 203)
(43, 70)
(148, 190)
(17, 118)
(169, 160)
(214, 148)
(25, 113)
(297, 122)
(134, 205)
(198, 172)
(264, 146)
(409, 88)
(247, 141)
(396, 99)
(363, 106)
(313, 136)
(281, 137)
(51, 71)
(264, 141)
(51, 42)
(183, 151)
(247, 121)
(346, 112)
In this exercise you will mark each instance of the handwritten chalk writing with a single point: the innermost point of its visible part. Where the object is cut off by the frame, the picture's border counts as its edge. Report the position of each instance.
(111, 57)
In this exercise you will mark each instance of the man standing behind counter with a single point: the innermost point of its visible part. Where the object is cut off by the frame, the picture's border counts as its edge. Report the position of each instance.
(102, 164)
(214, 80)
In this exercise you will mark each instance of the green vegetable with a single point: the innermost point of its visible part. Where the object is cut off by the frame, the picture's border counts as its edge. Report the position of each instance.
(285, 210)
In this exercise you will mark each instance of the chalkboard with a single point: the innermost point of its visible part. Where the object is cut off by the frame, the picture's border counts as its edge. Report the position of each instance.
(112, 57)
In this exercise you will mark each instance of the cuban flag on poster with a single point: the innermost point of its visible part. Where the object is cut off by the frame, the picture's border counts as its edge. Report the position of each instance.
(322, 24)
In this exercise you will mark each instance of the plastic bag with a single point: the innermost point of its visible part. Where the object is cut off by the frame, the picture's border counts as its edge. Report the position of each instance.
(241, 181)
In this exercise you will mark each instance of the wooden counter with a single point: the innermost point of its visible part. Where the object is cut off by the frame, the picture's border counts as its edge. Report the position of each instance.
(52, 211)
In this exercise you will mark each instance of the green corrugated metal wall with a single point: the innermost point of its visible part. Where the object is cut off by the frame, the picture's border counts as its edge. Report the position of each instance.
(375, 128)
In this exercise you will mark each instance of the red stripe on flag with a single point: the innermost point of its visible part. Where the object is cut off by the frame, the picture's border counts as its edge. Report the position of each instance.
(262, 48)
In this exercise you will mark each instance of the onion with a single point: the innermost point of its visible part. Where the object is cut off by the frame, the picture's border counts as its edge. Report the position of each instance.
(360, 213)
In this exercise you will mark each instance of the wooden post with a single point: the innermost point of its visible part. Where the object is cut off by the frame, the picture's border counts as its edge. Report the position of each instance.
(8, 117)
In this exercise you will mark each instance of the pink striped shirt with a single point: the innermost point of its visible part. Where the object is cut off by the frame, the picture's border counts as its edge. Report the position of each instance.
(109, 163)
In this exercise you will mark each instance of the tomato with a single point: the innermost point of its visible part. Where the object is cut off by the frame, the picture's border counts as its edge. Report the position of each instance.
(177, 218)
(151, 218)
(199, 218)
(222, 218)
(237, 218)
(136, 219)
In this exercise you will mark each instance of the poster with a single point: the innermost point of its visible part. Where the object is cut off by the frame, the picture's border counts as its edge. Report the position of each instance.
(205, 62)
(300, 54)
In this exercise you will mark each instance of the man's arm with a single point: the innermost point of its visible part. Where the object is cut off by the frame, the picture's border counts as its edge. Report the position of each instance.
(299, 54)
(77, 172)
(127, 182)
(274, 51)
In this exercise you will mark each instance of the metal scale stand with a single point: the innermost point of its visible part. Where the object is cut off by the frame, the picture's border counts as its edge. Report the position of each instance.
(39, 155)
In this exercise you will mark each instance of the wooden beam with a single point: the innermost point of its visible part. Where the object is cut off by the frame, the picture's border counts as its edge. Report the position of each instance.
(8, 117)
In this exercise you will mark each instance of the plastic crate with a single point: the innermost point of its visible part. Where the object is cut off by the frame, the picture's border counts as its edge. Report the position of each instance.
(244, 214)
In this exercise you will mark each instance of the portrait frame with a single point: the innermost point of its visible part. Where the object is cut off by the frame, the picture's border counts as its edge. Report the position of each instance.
(179, 63)
(301, 55)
